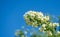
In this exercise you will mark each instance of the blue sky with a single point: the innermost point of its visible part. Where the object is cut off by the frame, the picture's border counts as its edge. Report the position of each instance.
(12, 13)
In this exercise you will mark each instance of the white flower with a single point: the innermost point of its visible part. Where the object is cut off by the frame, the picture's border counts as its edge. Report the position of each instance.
(56, 24)
(51, 24)
(58, 32)
(32, 15)
(43, 25)
(46, 18)
(39, 17)
(40, 29)
(42, 19)
(44, 31)
(40, 14)
(17, 32)
(49, 33)
(35, 24)
(25, 16)
(30, 12)
(44, 28)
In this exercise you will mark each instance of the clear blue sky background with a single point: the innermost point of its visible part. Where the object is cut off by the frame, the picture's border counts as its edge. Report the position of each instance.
(11, 12)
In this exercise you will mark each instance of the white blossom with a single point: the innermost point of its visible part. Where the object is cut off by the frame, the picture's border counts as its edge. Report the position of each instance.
(44, 28)
(34, 19)
(43, 25)
(40, 14)
(45, 18)
(17, 32)
(41, 29)
(57, 24)
(51, 24)
(49, 33)
(58, 32)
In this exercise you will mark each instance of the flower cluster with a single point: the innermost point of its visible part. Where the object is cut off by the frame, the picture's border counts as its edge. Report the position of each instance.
(49, 28)
(36, 19)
